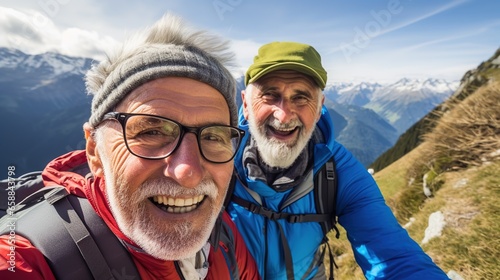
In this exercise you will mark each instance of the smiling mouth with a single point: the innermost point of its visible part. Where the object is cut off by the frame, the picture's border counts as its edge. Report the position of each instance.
(177, 205)
(283, 131)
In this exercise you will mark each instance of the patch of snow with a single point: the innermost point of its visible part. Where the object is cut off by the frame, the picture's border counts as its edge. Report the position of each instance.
(427, 191)
(436, 225)
(461, 183)
(453, 275)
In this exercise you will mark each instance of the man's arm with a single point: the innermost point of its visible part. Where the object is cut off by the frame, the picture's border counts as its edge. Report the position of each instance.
(20, 260)
(383, 249)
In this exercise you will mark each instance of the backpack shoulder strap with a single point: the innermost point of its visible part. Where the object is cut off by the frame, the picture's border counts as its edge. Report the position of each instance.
(325, 195)
(74, 240)
(80, 235)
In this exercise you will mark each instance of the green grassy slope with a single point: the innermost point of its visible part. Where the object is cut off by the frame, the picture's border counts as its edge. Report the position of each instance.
(461, 157)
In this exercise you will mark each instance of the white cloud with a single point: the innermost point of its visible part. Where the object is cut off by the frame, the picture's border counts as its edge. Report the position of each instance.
(33, 33)
(245, 51)
(408, 47)
(78, 42)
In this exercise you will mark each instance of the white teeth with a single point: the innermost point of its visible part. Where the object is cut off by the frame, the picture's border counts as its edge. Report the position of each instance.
(179, 202)
(171, 201)
(178, 205)
(285, 129)
(180, 209)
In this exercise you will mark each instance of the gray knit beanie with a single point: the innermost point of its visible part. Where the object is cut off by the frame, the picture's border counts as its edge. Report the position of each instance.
(157, 61)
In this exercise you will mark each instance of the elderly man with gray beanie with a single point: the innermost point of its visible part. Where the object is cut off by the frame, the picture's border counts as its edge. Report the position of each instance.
(156, 169)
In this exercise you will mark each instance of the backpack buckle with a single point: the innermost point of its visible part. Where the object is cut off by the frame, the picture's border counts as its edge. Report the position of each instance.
(330, 170)
(295, 218)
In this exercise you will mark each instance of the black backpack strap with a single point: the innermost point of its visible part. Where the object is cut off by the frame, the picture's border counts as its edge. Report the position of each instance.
(287, 253)
(325, 188)
(272, 215)
(80, 235)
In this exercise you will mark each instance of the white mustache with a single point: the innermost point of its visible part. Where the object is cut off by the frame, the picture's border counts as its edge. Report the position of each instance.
(170, 188)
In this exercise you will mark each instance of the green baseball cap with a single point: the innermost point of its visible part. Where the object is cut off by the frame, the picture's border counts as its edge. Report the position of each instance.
(287, 56)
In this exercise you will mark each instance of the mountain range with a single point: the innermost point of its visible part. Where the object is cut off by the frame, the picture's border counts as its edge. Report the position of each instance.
(43, 106)
(485, 73)
(401, 103)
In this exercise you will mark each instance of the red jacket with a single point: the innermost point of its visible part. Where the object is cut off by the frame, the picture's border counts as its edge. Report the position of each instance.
(31, 264)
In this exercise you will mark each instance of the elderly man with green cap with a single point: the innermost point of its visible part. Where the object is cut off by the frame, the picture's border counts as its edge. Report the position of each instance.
(291, 173)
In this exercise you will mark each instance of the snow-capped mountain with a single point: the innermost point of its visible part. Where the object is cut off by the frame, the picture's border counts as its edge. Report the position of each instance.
(357, 94)
(43, 106)
(50, 63)
(409, 91)
(42, 82)
(407, 101)
(402, 103)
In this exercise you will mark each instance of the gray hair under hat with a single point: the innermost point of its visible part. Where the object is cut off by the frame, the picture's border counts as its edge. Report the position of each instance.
(157, 61)
(169, 48)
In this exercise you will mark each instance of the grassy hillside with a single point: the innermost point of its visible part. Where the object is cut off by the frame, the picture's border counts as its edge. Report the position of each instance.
(472, 80)
(459, 159)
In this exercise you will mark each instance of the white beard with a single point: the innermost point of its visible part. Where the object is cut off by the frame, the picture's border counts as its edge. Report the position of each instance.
(274, 152)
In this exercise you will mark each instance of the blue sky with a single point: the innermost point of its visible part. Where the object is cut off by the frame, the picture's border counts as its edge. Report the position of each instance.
(376, 41)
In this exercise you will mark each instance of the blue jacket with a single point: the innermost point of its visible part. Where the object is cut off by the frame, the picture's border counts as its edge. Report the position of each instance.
(382, 248)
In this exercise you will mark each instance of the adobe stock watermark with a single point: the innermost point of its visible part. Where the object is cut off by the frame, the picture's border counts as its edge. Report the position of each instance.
(11, 202)
(223, 6)
(49, 9)
(373, 28)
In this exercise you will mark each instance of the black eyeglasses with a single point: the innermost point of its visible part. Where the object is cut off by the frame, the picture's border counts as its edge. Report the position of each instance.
(154, 137)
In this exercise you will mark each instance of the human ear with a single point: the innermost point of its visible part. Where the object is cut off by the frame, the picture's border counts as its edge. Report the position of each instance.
(322, 96)
(245, 105)
(93, 158)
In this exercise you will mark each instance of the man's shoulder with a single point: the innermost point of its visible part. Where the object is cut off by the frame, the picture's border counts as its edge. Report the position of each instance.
(21, 260)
